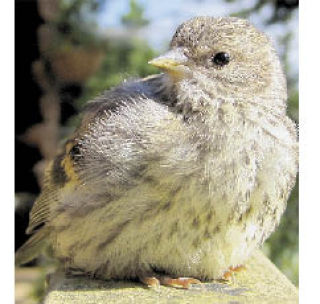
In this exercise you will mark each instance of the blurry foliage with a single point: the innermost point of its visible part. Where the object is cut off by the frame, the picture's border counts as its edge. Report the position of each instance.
(135, 16)
(76, 24)
(124, 59)
(282, 9)
(293, 106)
(39, 286)
(283, 245)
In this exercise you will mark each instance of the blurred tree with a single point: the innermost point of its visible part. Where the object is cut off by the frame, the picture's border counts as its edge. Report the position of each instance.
(283, 245)
(135, 16)
(76, 22)
(124, 59)
(70, 51)
(126, 56)
(282, 9)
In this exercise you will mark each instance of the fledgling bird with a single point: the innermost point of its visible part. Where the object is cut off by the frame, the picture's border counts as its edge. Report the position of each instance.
(179, 176)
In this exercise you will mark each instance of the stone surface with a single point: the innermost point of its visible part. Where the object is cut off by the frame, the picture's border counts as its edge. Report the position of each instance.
(260, 283)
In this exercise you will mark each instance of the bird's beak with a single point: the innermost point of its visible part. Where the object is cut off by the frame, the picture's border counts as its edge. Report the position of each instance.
(173, 62)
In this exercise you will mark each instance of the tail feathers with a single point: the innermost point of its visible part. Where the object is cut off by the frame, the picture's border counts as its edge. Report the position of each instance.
(31, 248)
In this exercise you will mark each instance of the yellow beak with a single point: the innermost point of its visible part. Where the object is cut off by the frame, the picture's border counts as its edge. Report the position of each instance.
(173, 62)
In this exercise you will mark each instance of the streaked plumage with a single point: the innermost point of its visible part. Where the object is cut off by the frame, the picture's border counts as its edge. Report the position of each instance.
(183, 173)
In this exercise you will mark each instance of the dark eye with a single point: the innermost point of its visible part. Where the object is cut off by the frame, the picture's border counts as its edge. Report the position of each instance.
(221, 58)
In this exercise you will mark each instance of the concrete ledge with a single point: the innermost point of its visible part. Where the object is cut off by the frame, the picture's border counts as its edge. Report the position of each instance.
(261, 283)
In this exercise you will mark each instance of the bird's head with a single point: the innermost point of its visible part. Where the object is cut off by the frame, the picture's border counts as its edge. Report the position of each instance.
(224, 57)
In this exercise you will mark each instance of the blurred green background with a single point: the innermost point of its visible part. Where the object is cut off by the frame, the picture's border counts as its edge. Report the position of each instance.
(87, 46)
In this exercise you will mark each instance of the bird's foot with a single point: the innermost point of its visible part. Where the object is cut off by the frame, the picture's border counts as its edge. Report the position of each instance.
(228, 274)
(150, 281)
(179, 282)
(156, 281)
(237, 268)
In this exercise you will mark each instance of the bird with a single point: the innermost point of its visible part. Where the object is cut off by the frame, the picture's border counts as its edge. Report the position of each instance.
(174, 179)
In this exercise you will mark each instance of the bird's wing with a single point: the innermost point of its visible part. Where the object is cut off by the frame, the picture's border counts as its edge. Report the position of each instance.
(120, 133)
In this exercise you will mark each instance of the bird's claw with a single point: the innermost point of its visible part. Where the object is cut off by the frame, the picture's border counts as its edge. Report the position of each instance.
(167, 281)
(228, 274)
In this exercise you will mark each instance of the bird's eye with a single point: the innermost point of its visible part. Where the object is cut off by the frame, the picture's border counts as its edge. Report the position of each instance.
(221, 58)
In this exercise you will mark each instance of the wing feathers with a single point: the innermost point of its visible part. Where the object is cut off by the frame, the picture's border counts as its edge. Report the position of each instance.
(31, 248)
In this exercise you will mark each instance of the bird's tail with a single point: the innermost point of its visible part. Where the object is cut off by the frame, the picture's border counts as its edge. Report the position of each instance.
(31, 248)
